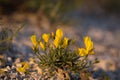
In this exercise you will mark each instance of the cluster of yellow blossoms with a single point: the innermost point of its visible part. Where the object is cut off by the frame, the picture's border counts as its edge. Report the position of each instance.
(89, 47)
(23, 68)
(59, 40)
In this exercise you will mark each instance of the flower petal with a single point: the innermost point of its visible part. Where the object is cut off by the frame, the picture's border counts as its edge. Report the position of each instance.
(82, 52)
(56, 42)
(42, 45)
(65, 42)
(33, 39)
(46, 37)
(59, 33)
(88, 43)
(21, 70)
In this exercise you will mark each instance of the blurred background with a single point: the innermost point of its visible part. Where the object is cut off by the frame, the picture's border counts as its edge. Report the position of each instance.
(99, 19)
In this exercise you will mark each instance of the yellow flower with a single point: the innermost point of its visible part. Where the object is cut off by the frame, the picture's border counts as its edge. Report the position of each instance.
(33, 39)
(23, 68)
(56, 42)
(46, 37)
(59, 33)
(42, 45)
(25, 65)
(82, 52)
(89, 47)
(65, 42)
(58, 37)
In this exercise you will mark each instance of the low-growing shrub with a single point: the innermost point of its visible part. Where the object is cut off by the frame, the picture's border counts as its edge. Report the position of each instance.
(57, 56)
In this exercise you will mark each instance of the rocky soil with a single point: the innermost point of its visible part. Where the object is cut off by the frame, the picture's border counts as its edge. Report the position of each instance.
(103, 31)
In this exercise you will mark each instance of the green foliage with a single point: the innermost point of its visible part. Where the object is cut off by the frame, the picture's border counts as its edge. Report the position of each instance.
(57, 53)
